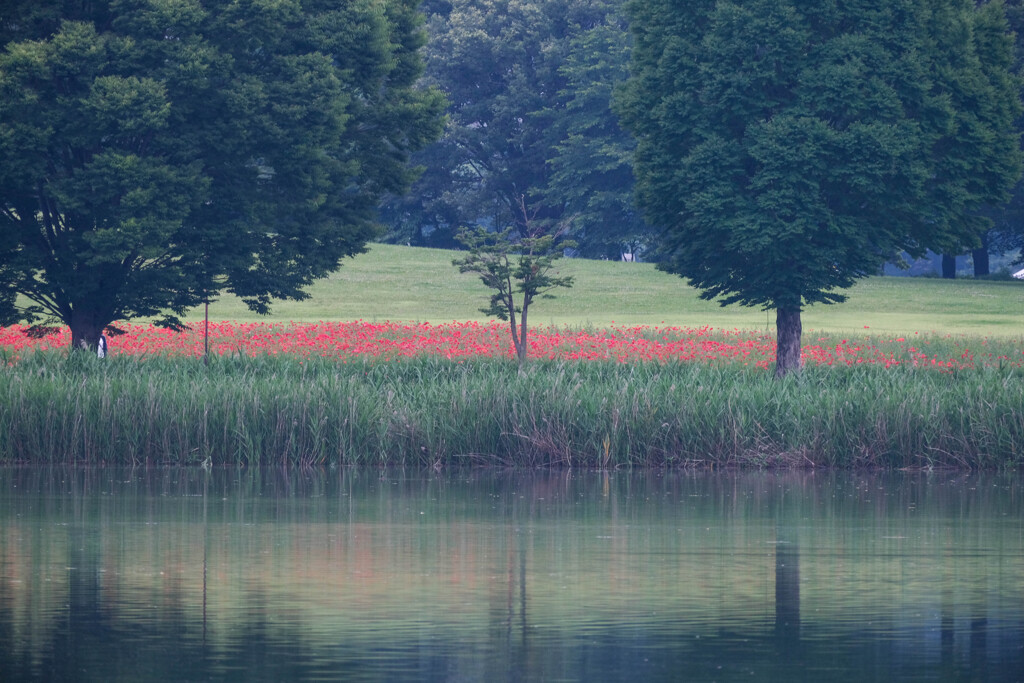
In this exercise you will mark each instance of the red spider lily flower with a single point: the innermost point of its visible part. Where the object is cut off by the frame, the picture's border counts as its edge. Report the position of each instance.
(392, 341)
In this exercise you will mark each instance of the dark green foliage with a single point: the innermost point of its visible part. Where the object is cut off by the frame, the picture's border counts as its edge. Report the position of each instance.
(157, 153)
(789, 148)
(976, 155)
(1007, 233)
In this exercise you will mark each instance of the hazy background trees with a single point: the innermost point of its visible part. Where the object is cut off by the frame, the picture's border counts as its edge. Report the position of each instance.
(529, 84)
(1007, 231)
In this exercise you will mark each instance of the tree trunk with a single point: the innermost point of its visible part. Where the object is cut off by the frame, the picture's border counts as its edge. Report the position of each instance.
(788, 331)
(86, 328)
(517, 342)
(510, 305)
(981, 265)
(521, 349)
(980, 257)
(948, 266)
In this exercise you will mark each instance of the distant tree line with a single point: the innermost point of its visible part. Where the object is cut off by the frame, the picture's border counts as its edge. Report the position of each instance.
(531, 116)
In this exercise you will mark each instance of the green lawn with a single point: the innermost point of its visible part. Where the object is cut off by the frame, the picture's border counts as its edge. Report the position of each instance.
(414, 284)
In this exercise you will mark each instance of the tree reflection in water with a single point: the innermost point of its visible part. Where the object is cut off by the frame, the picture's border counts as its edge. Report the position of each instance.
(787, 593)
(481, 575)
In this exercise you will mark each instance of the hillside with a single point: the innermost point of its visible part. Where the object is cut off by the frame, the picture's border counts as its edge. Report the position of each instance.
(415, 284)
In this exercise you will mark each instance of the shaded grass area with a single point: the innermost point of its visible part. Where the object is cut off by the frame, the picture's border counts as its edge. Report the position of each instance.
(435, 412)
(415, 284)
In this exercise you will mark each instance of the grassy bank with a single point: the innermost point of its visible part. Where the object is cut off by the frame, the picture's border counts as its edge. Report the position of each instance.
(414, 284)
(152, 403)
(431, 411)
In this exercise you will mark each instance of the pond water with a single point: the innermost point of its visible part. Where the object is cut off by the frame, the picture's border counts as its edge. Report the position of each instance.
(187, 575)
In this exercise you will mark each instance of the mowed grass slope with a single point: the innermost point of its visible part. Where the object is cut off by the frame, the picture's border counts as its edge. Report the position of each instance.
(420, 285)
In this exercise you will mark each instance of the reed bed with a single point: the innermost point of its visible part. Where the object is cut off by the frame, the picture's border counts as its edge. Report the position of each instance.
(437, 412)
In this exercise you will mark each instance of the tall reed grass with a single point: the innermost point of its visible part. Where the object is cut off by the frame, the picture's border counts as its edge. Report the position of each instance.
(434, 412)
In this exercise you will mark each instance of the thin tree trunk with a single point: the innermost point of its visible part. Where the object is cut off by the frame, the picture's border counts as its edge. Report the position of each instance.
(517, 340)
(522, 333)
(788, 331)
(517, 343)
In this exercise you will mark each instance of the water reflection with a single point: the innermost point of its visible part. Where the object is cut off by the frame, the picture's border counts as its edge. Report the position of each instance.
(248, 575)
(787, 591)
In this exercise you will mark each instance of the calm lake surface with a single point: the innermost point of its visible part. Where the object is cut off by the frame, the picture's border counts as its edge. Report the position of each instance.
(187, 575)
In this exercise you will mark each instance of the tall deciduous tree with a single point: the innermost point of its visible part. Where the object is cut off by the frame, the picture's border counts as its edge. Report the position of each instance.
(787, 147)
(158, 152)
(497, 61)
(971, 53)
(1007, 233)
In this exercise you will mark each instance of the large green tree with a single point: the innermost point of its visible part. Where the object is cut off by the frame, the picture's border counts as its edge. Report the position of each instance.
(157, 152)
(972, 60)
(1007, 232)
(788, 147)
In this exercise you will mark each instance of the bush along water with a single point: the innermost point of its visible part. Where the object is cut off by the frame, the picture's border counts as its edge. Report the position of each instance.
(437, 412)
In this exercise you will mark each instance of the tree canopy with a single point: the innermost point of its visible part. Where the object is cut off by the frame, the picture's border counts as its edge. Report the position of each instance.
(518, 270)
(1007, 233)
(157, 152)
(789, 147)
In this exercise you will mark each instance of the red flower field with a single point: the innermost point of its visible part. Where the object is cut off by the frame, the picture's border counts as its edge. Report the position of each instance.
(390, 341)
